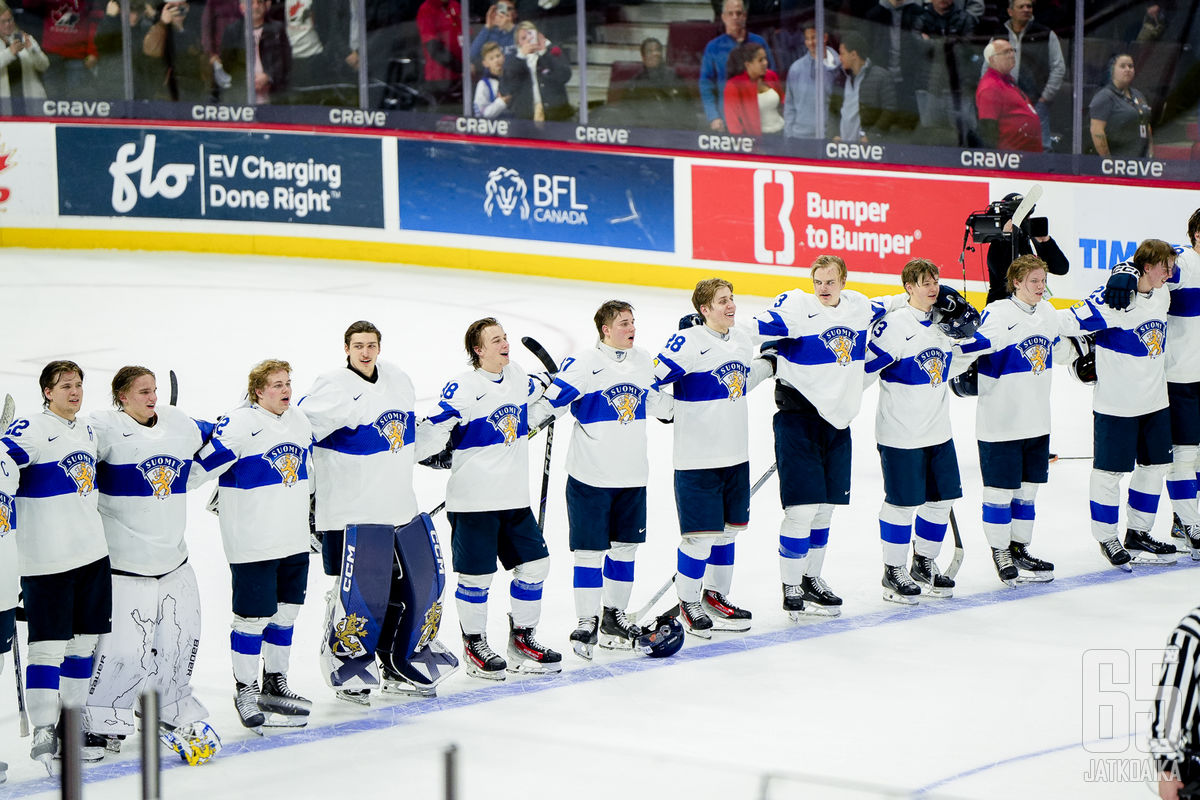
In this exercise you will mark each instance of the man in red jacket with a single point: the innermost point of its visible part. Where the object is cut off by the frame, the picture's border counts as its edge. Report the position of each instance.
(1007, 120)
(440, 25)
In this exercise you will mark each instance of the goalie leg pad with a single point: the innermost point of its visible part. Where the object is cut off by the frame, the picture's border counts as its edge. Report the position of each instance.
(177, 640)
(355, 619)
(124, 658)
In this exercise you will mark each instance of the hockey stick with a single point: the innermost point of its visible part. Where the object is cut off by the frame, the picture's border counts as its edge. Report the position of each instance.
(548, 362)
(956, 561)
(174, 388)
(644, 610)
(10, 411)
(22, 715)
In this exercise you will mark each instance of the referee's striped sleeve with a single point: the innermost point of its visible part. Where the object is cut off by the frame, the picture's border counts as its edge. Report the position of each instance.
(1176, 702)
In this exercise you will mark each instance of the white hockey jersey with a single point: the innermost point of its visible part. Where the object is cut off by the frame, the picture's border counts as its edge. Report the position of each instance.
(365, 434)
(1131, 370)
(488, 424)
(822, 350)
(10, 577)
(1014, 370)
(609, 395)
(59, 525)
(1183, 319)
(142, 476)
(913, 358)
(264, 488)
(711, 374)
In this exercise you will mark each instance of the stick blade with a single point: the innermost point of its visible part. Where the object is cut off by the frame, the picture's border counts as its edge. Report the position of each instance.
(10, 411)
(174, 388)
(536, 348)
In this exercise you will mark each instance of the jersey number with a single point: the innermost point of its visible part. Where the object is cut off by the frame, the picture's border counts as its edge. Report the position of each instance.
(779, 301)
(449, 391)
(675, 342)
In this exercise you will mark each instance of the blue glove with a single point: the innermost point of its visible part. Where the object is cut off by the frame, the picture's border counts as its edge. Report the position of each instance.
(1118, 292)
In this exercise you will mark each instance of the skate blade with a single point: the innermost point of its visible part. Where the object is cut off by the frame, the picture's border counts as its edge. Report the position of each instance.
(813, 611)
(354, 699)
(902, 599)
(1153, 559)
(934, 593)
(476, 672)
(526, 667)
(1035, 577)
(405, 689)
(47, 761)
(275, 721)
(730, 625)
(583, 650)
(286, 708)
(699, 634)
(612, 642)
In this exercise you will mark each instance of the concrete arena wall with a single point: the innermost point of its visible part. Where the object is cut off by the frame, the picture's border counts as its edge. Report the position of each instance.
(535, 208)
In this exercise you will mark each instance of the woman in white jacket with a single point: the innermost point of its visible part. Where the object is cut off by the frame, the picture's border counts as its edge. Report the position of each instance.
(22, 61)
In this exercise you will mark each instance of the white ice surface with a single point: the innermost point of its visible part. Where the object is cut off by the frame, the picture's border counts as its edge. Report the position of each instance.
(986, 695)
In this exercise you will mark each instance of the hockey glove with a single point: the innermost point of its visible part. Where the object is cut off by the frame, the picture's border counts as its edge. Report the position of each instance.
(690, 321)
(1122, 283)
(770, 354)
(440, 460)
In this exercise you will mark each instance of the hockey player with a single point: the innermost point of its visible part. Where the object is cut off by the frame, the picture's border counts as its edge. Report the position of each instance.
(914, 357)
(10, 581)
(65, 574)
(607, 389)
(819, 380)
(1132, 421)
(1014, 448)
(485, 415)
(711, 367)
(1183, 387)
(263, 496)
(145, 456)
(365, 430)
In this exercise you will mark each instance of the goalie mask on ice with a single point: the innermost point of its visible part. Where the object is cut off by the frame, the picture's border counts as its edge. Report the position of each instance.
(388, 603)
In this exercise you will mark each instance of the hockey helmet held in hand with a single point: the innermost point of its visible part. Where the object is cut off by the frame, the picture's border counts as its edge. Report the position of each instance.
(664, 638)
(956, 317)
(966, 384)
(1083, 366)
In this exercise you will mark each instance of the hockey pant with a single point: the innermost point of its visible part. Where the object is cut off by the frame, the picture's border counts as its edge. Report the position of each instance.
(705, 561)
(154, 640)
(608, 573)
(803, 535)
(1145, 485)
(896, 529)
(1008, 515)
(387, 603)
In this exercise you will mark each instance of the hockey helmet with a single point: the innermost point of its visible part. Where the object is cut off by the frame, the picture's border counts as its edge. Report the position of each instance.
(956, 317)
(662, 639)
(966, 384)
(1083, 366)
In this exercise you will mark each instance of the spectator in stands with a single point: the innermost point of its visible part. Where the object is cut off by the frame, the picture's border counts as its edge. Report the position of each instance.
(753, 92)
(440, 25)
(716, 58)
(656, 97)
(181, 69)
(22, 63)
(863, 108)
(68, 40)
(1152, 26)
(393, 51)
(110, 71)
(947, 77)
(1040, 66)
(489, 102)
(498, 27)
(273, 61)
(894, 44)
(803, 78)
(1120, 115)
(215, 17)
(1007, 120)
(317, 33)
(536, 78)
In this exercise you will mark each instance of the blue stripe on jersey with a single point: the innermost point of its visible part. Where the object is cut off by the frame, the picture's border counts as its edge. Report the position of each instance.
(880, 358)
(448, 412)
(214, 455)
(1185, 303)
(808, 350)
(45, 480)
(1091, 319)
(674, 371)
(206, 429)
(253, 472)
(128, 480)
(698, 387)
(15, 451)
(772, 326)
(595, 407)
(1008, 361)
(978, 342)
(367, 440)
(908, 372)
(482, 433)
(565, 394)
(1122, 341)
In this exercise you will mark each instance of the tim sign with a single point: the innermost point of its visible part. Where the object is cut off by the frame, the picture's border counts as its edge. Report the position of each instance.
(782, 218)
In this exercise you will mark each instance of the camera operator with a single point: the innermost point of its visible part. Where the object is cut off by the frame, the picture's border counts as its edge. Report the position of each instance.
(1031, 238)
(1173, 741)
(22, 63)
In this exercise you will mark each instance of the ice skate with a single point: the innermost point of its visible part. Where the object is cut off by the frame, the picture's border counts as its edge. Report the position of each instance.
(482, 661)
(793, 601)
(1032, 569)
(283, 707)
(245, 700)
(3, 772)
(695, 620)
(724, 614)
(1117, 556)
(355, 697)
(898, 587)
(584, 638)
(1145, 549)
(1178, 529)
(1005, 569)
(929, 578)
(529, 656)
(616, 631)
(1193, 541)
(819, 599)
(45, 746)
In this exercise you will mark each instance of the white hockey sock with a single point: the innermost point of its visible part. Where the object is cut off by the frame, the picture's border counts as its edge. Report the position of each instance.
(1104, 492)
(818, 540)
(277, 638)
(525, 591)
(930, 528)
(1023, 513)
(76, 670)
(618, 574)
(42, 678)
(588, 580)
(998, 516)
(1145, 485)
(895, 531)
(246, 643)
(693, 558)
(795, 539)
(718, 575)
(1181, 483)
(471, 598)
